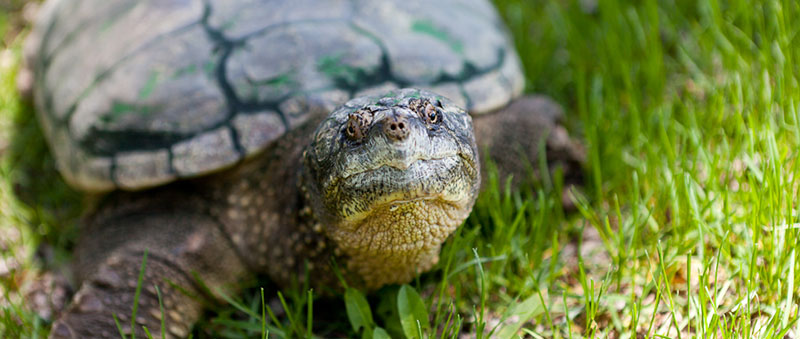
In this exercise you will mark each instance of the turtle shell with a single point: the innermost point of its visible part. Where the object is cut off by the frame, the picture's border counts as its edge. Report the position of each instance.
(133, 94)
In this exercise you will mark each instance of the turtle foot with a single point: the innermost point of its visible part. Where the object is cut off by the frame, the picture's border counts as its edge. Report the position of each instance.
(147, 263)
(106, 305)
(515, 136)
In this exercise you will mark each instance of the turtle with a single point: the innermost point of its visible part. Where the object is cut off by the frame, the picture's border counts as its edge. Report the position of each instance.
(293, 139)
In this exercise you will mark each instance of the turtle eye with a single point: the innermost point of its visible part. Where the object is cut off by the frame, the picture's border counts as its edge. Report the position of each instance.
(353, 132)
(356, 125)
(433, 116)
(426, 111)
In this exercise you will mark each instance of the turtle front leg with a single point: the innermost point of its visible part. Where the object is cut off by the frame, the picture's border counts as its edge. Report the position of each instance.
(514, 136)
(186, 251)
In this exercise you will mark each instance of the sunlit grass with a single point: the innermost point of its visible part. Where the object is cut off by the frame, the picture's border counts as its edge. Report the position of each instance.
(686, 226)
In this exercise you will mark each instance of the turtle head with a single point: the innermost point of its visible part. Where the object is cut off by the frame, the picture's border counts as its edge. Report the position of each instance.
(389, 178)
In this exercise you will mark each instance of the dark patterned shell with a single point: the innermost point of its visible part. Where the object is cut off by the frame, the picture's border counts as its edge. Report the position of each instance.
(134, 93)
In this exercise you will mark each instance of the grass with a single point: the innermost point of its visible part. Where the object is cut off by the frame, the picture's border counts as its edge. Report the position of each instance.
(687, 226)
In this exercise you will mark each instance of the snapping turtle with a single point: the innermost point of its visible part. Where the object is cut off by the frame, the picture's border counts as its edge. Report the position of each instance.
(244, 137)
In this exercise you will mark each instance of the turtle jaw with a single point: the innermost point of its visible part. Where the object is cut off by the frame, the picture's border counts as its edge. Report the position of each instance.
(452, 180)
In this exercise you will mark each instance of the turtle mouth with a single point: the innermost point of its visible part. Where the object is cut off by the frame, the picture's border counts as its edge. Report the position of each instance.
(450, 179)
(402, 165)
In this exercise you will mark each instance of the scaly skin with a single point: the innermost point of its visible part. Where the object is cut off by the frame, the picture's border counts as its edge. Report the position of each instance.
(354, 198)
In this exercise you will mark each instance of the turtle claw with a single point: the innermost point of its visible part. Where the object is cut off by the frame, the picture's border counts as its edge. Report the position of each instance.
(146, 270)
(95, 312)
(103, 306)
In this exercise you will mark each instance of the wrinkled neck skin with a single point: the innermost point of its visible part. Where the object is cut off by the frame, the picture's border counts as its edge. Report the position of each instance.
(397, 241)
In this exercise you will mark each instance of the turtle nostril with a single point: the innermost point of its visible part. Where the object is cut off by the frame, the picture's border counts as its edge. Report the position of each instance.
(396, 128)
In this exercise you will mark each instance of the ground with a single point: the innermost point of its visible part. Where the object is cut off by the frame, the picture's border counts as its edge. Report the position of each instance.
(686, 226)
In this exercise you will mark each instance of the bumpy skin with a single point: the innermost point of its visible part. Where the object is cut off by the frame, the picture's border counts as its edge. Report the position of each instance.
(133, 94)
